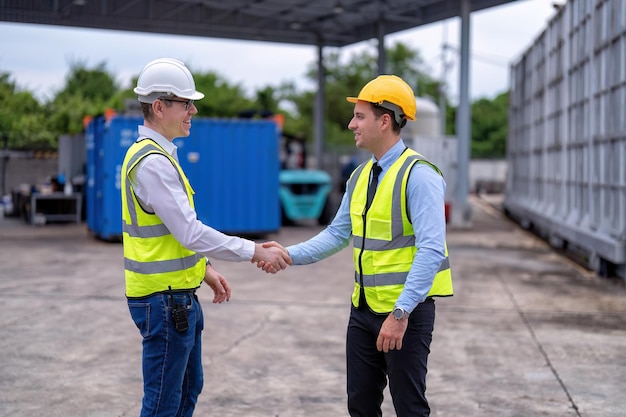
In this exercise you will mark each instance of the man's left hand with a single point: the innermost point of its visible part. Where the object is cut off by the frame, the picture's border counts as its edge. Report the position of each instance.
(219, 285)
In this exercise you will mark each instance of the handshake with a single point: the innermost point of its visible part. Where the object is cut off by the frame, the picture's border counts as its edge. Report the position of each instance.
(271, 257)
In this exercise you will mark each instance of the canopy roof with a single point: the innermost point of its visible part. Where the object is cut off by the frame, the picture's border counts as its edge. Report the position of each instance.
(306, 22)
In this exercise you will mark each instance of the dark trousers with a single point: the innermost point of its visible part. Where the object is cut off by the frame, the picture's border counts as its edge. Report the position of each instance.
(368, 369)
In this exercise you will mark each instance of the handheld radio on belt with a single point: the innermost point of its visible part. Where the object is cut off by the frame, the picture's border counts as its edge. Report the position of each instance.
(179, 314)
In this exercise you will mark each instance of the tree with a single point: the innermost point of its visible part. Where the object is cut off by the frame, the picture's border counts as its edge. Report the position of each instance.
(344, 79)
(490, 127)
(408, 64)
(266, 99)
(22, 119)
(96, 84)
(87, 92)
(221, 99)
(90, 91)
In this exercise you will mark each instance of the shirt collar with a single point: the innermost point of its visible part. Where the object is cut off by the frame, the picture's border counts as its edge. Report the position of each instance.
(391, 155)
(146, 132)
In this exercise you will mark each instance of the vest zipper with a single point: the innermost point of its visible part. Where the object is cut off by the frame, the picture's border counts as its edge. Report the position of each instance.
(362, 299)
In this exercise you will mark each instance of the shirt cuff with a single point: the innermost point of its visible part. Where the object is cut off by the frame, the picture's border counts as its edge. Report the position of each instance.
(248, 249)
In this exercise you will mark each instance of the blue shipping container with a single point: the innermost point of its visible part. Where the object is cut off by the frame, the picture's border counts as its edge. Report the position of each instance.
(232, 166)
(106, 144)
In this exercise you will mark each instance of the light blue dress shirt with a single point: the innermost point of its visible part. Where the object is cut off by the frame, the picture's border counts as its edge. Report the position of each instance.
(425, 195)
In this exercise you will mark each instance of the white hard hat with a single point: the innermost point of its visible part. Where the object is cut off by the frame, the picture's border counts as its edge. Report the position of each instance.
(165, 76)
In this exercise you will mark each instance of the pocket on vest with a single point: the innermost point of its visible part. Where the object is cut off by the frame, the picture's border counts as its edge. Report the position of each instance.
(388, 261)
(379, 228)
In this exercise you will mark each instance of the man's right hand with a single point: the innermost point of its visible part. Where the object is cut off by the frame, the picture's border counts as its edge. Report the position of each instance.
(271, 257)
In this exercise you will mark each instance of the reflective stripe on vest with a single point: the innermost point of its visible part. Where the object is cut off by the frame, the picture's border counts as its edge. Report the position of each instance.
(153, 258)
(387, 252)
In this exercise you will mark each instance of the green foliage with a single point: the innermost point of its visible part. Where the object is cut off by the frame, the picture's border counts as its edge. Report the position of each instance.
(450, 121)
(22, 119)
(408, 64)
(66, 115)
(290, 103)
(220, 98)
(266, 99)
(92, 85)
(345, 79)
(490, 127)
(27, 124)
(87, 92)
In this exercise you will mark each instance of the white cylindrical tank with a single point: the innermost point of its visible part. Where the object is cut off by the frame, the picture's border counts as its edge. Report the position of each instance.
(426, 123)
(424, 136)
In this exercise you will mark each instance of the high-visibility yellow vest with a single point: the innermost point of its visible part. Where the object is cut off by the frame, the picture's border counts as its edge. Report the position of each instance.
(153, 259)
(383, 239)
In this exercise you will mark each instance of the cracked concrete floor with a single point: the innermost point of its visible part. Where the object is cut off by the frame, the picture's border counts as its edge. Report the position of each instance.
(527, 333)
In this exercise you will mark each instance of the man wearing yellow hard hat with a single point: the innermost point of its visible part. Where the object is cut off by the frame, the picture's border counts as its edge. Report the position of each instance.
(393, 210)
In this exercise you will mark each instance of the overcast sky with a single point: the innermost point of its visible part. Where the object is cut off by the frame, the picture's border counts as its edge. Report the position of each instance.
(38, 57)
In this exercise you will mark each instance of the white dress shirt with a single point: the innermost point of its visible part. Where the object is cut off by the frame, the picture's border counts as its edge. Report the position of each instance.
(157, 186)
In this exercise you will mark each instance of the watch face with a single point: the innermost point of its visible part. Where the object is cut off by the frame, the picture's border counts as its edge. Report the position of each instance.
(398, 313)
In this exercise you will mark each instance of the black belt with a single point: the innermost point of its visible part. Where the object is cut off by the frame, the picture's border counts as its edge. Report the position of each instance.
(191, 291)
(184, 291)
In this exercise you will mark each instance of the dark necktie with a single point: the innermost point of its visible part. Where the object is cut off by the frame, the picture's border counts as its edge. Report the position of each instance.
(371, 190)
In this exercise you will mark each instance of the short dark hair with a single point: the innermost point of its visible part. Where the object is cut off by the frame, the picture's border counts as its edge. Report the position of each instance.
(146, 109)
(379, 111)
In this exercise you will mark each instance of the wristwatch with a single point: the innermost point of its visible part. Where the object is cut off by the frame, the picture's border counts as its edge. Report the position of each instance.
(400, 314)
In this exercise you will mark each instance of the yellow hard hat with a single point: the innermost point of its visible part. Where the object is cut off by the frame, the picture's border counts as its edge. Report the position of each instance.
(392, 93)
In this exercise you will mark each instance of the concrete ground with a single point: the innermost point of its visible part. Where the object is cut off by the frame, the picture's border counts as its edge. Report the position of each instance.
(528, 333)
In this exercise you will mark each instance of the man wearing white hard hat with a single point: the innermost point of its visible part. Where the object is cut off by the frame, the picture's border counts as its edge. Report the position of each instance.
(166, 247)
(393, 211)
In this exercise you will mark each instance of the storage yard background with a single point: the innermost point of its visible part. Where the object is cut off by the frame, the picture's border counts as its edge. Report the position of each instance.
(564, 177)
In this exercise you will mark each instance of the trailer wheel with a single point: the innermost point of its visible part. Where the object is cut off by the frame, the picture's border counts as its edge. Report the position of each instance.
(284, 220)
(327, 213)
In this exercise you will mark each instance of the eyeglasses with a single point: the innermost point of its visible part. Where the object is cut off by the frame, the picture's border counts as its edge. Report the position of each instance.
(186, 103)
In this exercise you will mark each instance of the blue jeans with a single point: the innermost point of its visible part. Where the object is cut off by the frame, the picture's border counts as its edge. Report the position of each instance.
(172, 361)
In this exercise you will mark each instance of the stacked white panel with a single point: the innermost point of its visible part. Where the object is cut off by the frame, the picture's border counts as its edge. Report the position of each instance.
(567, 133)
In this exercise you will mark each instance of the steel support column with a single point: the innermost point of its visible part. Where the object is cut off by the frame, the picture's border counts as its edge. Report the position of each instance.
(382, 54)
(461, 212)
(320, 108)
